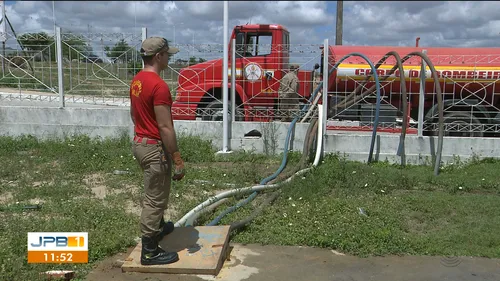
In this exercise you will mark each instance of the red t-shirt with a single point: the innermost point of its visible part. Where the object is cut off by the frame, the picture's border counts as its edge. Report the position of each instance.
(147, 89)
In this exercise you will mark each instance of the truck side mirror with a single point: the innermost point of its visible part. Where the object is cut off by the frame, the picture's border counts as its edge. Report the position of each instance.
(316, 66)
(269, 75)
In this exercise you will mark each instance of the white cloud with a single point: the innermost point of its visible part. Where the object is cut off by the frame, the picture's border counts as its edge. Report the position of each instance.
(437, 23)
(398, 23)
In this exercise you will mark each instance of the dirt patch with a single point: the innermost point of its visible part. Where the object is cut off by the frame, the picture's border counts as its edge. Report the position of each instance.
(36, 201)
(171, 211)
(93, 179)
(127, 188)
(97, 185)
(99, 191)
(133, 208)
(40, 183)
(8, 183)
(183, 196)
(6, 197)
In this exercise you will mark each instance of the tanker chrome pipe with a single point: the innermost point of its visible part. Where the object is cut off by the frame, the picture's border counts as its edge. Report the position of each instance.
(437, 164)
(399, 65)
(345, 103)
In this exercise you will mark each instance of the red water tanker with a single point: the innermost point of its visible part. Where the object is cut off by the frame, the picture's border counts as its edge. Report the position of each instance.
(469, 80)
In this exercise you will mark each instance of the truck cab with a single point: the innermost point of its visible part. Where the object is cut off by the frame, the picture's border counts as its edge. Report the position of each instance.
(262, 59)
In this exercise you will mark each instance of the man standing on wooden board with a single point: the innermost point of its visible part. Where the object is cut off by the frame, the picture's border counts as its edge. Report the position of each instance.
(155, 147)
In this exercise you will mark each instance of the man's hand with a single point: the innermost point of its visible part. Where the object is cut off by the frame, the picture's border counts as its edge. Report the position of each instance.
(178, 166)
(167, 133)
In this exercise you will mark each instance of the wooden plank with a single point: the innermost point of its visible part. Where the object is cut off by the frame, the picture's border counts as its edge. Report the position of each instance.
(201, 249)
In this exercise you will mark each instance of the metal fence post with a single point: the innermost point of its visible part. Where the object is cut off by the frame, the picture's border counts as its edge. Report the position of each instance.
(421, 98)
(233, 84)
(225, 133)
(60, 74)
(325, 90)
(144, 36)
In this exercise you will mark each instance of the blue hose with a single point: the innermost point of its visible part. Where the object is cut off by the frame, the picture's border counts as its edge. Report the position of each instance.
(232, 209)
(292, 125)
(262, 182)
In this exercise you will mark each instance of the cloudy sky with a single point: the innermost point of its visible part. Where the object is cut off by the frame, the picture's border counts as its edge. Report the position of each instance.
(365, 23)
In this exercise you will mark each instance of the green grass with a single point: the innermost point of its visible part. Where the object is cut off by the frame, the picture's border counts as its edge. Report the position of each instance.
(61, 176)
(408, 210)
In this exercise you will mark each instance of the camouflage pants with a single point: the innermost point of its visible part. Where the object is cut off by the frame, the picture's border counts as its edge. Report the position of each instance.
(288, 107)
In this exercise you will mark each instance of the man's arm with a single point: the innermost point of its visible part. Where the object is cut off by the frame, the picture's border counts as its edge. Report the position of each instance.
(132, 115)
(166, 127)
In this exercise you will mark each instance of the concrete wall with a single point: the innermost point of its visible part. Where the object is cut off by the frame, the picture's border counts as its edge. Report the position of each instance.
(99, 121)
(53, 122)
(417, 150)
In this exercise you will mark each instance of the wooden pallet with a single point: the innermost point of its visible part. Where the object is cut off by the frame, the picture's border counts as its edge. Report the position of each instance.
(201, 249)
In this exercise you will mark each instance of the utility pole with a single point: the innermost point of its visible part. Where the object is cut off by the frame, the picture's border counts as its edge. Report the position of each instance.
(3, 36)
(54, 20)
(225, 92)
(340, 19)
(54, 16)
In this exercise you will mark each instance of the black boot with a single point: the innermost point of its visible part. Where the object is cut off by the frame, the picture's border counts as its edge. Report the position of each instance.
(152, 254)
(166, 228)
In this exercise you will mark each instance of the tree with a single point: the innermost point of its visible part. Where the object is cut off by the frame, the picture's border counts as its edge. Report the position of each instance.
(192, 60)
(76, 47)
(39, 44)
(42, 44)
(121, 52)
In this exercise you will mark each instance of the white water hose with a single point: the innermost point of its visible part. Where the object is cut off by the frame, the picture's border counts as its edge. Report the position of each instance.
(232, 192)
(311, 108)
(239, 191)
(319, 137)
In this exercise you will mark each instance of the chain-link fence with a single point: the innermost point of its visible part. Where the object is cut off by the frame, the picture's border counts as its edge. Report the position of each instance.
(100, 64)
(31, 66)
(98, 68)
(471, 95)
(95, 67)
(469, 84)
(272, 82)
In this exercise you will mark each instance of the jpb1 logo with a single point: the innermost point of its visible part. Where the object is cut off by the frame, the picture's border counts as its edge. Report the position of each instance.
(59, 241)
(57, 247)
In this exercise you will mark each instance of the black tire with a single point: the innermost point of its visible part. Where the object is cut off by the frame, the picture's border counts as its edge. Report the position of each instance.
(213, 112)
(461, 118)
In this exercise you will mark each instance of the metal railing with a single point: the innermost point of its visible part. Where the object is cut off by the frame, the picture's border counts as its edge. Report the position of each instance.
(79, 68)
(470, 93)
(258, 76)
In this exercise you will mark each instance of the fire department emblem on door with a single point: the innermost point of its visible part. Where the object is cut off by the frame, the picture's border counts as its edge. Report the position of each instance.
(253, 72)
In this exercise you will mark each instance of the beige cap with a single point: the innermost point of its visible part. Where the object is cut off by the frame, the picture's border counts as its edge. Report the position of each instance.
(153, 45)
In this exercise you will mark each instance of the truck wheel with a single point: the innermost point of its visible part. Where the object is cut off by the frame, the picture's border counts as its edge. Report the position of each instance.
(460, 118)
(213, 112)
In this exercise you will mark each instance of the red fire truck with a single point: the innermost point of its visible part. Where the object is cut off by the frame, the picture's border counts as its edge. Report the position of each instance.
(469, 80)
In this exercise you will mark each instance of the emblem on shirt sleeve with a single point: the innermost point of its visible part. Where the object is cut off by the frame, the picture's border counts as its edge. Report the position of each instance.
(136, 88)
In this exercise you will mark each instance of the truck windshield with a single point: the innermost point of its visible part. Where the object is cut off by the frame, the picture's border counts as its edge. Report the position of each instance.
(253, 44)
